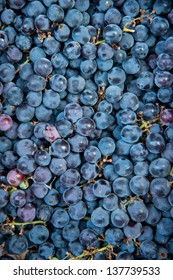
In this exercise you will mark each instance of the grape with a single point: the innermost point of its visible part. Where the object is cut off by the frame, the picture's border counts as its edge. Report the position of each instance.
(42, 157)
(58, 166)
(78, 143)
(165, 226)
(60, 148)
(39, 189)
(88, 192)
(123, 167)
(161, 203)
(112, 33)
(73, 160)
(128, 246)
(110, 202)
(133, 230)
(147, 234)
(126, 116)
(26, 164)
(139, 185)
(165, 95)
(106, 146)
(116, 76)
(128, 63)
(60, 218)
(38, 234)
(6, 144)
(58, 83)
(163, 79)
(57, 239)
(159, 26)
(4, 40)
(70, 232)
(70, 178)
(50, 133)
(77, 211)
(113, 15)
(121, 187)
(76, 84)
(42, 175)
(109, 172)
(85, 126)
(155, 143)
(100, 217)
(81, 34)
(145, 80)
(119, 218)
(27, 213)
(129, 101)
(167, 117)
(124, 256)
(6, 122)
(73, 112)
(44, 212)
(16, 244)
(159, 187)
(101, 188)
(3, 216)
(87, 237)
(92, 154)
(73, 18)
(3, 198)
(17, 198)
(72, 195)
(64, 128)
(138, 211)
(61, 35)
(148, 249)
(24, 112)
(14, 177)
(159, 167)
(114, 235)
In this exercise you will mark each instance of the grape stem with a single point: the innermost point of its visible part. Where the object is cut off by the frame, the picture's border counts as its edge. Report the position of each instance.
(131, 199)
(25, 62)
(133, 21)
(22, 224)
(100, 42)
(91, 253)
(171, 174)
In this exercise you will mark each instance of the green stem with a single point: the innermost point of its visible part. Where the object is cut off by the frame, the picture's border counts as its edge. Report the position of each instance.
(171, 172)
(100, 42)
(86, 218)
(26, 61)
(13, 224)
(91, 253)
(2, 27)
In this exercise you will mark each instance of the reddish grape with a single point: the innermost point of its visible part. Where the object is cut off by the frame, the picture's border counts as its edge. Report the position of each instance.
(166, 117)
(14, 177)
(6, 122)
(50, 133)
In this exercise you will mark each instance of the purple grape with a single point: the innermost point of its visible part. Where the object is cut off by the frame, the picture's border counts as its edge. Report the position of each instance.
(166, 117)
(6, 122)
(15, 178)
(27, 213)
(50, 133)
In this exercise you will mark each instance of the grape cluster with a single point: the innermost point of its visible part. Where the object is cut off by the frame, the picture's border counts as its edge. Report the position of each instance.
(86, 129)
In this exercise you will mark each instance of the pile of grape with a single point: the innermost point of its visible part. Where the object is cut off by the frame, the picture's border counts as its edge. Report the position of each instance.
(86, 129)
